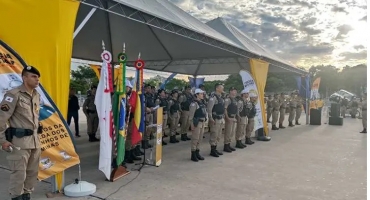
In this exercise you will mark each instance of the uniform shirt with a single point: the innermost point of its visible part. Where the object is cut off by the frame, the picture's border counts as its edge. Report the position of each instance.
(89, 104)
(276, 104)
(299, 102)
(282, 103)
(20, 109)
(171, 103)
(293, 103)
(269, 103)
(212, 101)
(194, 106)
(242, 120)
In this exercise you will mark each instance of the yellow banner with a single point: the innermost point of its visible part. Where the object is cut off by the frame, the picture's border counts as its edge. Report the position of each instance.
(259, 71)
(315, 93)
(58, 152)
(117, 71)
(158, 144)
(42, 33)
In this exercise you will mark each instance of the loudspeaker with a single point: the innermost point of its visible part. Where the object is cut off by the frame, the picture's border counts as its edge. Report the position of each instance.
(315, 117)
(335, 110)
(336, 121)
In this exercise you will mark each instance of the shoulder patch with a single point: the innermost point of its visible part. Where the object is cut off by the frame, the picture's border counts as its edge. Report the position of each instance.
(5, 108)
(211, 99)
(192, 104)
(9, 99)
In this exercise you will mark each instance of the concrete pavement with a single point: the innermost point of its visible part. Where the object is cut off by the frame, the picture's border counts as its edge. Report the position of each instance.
(300, 163)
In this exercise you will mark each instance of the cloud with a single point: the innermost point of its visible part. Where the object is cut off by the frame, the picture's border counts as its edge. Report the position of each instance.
(336, 8)
(354, 56)
(303, 32)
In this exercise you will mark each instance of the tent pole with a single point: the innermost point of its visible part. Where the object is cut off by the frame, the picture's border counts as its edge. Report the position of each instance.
(88, 16)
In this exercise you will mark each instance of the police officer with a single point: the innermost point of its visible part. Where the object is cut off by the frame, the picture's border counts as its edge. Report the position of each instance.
(293, 107)
(298, 110)
(252, 111)
(364, 113)
(89, 109)
(20, 110)
(175, 109)
(242, 119)
(354, 107)
(185, 99)
(197, 119)
(163, 102)
(216, 111)
(206, 96)
(283, 103)
(343, 107)
(132, 152)
(149, 105)
(275, 111)
(231, 110)
(269, 108)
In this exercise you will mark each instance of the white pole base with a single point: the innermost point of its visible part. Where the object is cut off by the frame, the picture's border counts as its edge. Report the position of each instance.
(80, 189)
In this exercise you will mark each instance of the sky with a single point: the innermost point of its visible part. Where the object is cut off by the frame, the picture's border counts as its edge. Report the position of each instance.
(305, 33)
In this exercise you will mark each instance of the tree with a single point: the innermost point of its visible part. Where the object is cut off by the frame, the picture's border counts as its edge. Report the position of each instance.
(83, 78)
(179, 83)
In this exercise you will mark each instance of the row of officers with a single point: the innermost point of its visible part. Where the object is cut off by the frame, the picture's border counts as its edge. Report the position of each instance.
(193, 111)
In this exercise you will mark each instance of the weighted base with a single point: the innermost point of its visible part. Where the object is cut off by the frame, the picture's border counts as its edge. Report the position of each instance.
(80, 189)
(118, 173)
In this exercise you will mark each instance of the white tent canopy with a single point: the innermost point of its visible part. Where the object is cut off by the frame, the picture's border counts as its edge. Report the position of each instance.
(168, 38)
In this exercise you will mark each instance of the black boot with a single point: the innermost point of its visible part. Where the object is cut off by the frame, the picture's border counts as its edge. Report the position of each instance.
(275, 128)
(291, 124)
(173, 139)
(239, 144)
(214, 152)
(198, 155)
(26, 196)
(243, 144)
(227, 148)
(231, 148)
(248, 141)
(184, 137)
(297, 123)
(146, 145)
(128, 158)
(78, 135)
(92, 138)
(281, 126)
(364, 131)
(218, 152)
(18, 198)
(194, 156)
(163, 142)
(133, 156)
(138, 152)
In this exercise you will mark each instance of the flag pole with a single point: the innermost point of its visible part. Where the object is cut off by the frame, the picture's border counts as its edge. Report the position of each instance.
(119, 109)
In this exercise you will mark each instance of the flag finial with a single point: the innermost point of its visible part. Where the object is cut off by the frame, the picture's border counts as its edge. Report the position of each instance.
(139, 55)
(124, 47)
(103, 45)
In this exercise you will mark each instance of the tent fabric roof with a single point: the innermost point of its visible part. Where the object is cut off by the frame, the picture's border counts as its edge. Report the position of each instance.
(168, 38)
(236, 35)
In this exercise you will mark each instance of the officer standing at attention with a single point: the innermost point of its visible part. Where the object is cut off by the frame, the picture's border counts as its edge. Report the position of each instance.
(20, 110)
(298, 110)
(231, 110)
(216, 111)
(242, 119)
(163, 102)
(269, 108)
(89, 109)
(197, 119)
(293, 107)
(175, 109)
(252, 111)
(282, 110)
(364, 113)
(185, 99)
(149, 105)
(275, 111)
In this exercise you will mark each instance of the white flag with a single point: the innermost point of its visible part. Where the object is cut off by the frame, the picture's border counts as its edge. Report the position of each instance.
(104, 107)
(250, 84)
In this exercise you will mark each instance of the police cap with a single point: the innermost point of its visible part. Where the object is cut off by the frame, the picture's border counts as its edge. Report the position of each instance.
(232, 88)
(160, 91)
(32, 70)
(147, 85)
(276, 94)
(174, 91)
(217, 84)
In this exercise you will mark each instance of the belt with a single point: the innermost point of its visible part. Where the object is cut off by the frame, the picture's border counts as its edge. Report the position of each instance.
(202, 120)
(232, 115)
(293, 107)
(19, 132)
(364, 109)
(218, 116)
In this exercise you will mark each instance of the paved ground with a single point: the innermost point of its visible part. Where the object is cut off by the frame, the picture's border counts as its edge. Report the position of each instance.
(305, 162)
